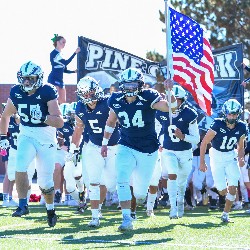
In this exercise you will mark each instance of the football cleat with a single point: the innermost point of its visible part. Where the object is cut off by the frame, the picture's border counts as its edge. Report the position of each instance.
(150, 213)
(20, 212)
(10, 203)
(133, 215)
(95, 222)
(225, 218)
(51, 217)
(127, 223)
(180, 207)
(237, 206)
(82, 207)
(173, 213)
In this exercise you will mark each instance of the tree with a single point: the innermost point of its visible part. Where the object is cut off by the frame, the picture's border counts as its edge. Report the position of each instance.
(228, 21)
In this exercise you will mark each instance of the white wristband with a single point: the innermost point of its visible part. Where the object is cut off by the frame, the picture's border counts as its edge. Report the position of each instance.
(105, 141)
(73, 148)
(109, 129)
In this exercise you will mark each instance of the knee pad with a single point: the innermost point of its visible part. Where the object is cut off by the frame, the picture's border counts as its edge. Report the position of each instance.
(94, 192)
(124, 192)
(231, 197)
(47, 191)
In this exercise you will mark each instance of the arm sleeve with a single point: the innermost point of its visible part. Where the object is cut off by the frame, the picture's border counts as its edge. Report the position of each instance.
(194, 136)
(66, 62)
(68, 71)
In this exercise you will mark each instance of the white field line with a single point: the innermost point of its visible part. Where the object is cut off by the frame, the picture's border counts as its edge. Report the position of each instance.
(125, 242)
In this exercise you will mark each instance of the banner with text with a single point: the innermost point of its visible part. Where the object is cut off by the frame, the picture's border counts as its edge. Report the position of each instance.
(105, 63)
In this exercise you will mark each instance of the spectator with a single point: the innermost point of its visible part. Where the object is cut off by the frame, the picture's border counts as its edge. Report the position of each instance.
(59, 66)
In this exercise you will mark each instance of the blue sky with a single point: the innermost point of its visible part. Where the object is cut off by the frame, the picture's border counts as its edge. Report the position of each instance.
(27, 27)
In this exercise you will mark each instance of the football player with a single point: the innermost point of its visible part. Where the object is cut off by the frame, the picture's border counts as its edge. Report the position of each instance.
(13, 132)
(37, 106)
(134, 108)
(92, 112)
(72, 169)
(177, 151)
(225, 134)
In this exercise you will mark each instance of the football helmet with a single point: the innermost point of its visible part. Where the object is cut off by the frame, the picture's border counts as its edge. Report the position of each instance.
(231, 106)
(31, 72)
(131, 81)
(180, 93)
(88, 90)
(64, 107)
(73, 105)
(70, 116)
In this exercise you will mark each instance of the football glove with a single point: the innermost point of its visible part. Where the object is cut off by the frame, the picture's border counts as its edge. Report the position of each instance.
(73, 154)
(4, 143)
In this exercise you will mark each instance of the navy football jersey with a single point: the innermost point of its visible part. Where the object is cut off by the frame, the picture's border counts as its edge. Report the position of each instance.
(161, 117)
(137, 120)
(95, 121)
(226, 139)
(25, 103)
(13, 132)
(181, 121)
(67, 131)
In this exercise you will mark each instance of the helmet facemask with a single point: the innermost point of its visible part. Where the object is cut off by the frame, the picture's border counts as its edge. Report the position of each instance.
(130, 88)
(232, 121)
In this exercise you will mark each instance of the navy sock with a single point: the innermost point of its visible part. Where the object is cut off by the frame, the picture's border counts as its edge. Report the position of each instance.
(22, 203)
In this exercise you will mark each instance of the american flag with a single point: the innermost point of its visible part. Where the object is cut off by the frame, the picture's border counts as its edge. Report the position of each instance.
(192, 64)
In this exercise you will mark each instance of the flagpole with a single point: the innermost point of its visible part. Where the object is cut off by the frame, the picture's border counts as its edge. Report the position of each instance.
(167, 56)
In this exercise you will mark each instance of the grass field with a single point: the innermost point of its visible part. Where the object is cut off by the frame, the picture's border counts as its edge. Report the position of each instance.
(199, 229)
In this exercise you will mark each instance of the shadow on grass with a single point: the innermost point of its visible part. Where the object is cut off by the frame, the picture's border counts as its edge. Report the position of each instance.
(115, 241)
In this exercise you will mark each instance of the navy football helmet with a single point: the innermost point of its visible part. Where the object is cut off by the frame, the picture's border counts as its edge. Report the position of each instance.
(31, 72)
(131, 81)
(231, 106)
(88, 90)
